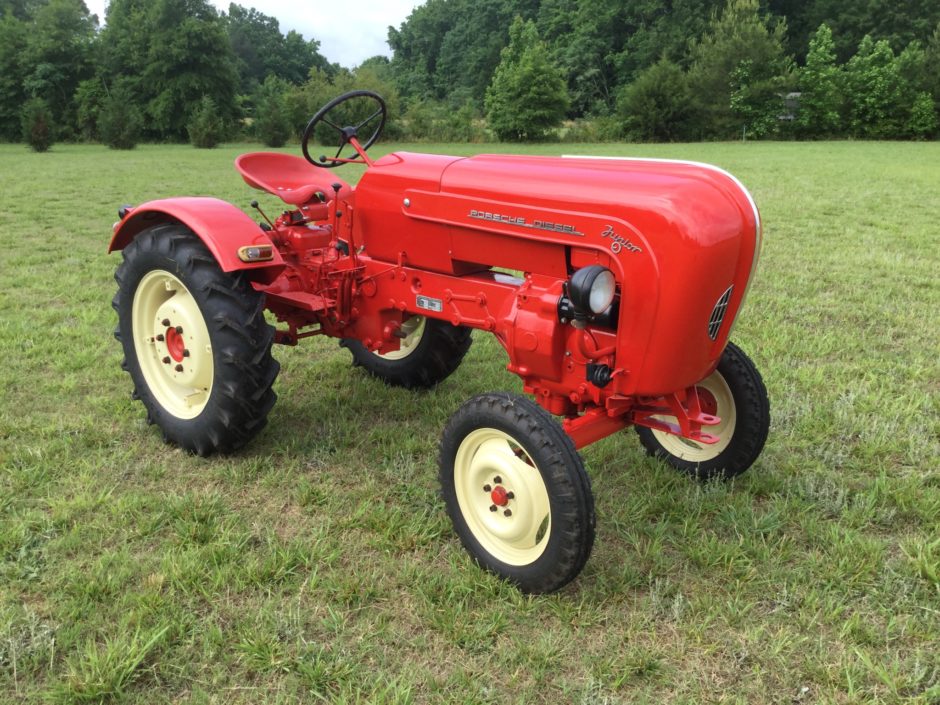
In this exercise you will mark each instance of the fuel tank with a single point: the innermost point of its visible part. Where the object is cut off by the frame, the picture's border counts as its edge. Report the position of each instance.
(682, 239)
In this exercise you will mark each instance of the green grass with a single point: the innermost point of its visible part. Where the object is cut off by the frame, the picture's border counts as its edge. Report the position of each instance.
(319, 564)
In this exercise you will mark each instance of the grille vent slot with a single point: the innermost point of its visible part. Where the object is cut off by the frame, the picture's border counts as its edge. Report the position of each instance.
(718, 313)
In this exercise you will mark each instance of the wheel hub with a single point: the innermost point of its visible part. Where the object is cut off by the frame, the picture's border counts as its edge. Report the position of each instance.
(173, 346)
(500, 496)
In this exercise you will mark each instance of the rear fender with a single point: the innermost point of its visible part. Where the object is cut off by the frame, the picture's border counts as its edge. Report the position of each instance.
(221, 226)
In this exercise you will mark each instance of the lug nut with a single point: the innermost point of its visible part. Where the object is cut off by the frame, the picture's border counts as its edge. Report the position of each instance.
(507, 513)
(178, 368)
(165, 322)
(487, 488)
(510, 495)
(166, 360)
(179, 329)
(160, 337)
(185, 353)
(498, 480)
(492, 507)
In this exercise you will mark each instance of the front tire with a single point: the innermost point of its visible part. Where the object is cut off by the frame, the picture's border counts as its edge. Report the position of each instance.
(428, 354)
(196, 344)
(516, 492)
(735, 393)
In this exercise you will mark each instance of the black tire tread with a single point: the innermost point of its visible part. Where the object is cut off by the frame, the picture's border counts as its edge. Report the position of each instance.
(241, 341)
(438, 355)
(573, 514)
(752, 406)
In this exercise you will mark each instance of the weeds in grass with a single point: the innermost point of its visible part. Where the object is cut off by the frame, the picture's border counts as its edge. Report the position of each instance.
(104, 670)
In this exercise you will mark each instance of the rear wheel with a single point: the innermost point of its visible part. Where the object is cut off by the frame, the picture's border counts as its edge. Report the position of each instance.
(430, 351)
(195, 341)
(736, 394)
(517, 493)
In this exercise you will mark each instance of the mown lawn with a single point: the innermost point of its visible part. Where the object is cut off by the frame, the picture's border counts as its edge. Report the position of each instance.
(319, 563)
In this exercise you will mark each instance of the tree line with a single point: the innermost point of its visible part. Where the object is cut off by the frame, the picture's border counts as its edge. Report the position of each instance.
(585, 70)
(680, 69)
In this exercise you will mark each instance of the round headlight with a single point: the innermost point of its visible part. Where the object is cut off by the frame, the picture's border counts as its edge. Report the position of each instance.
(592, 289)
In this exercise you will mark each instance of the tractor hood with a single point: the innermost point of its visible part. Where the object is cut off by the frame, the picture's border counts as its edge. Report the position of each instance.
(682, 238)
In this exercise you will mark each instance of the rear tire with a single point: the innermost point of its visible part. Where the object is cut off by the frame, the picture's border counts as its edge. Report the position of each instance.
(430, 352)
(516, 491)
(736, 393)
(196, 344)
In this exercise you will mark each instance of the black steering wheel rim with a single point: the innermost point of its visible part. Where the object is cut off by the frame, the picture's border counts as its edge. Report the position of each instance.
(345, 133)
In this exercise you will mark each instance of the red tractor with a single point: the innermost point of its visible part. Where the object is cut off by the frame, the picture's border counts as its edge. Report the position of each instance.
(612, 284)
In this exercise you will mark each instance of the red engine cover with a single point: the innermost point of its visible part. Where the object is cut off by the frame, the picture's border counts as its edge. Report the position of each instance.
(682, 239)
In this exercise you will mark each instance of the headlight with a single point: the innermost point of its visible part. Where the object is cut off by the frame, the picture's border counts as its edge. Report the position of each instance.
(592, 289)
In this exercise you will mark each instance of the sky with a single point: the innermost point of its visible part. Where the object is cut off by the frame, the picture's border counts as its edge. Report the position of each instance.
(349, 31)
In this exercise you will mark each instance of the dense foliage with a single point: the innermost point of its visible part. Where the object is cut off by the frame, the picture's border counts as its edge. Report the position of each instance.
(663, 70)
(526, 97)
(695, 69)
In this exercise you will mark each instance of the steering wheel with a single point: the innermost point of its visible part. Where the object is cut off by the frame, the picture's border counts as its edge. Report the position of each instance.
(349, 134)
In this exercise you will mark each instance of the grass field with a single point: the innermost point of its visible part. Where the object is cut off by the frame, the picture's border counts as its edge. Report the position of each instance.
(318, 564)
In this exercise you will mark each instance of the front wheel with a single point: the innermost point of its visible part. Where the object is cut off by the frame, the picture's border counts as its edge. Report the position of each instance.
(516, 491)
(195, 340)
(736, 394)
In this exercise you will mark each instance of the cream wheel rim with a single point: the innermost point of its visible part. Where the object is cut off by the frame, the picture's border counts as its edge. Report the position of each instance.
(693, 451)
(502, 497)
(413, 329)
(172, 342)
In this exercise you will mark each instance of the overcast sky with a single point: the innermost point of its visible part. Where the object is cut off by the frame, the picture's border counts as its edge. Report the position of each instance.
(349, 31)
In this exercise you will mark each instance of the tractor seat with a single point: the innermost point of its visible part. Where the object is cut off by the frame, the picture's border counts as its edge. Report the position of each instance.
(292, 179)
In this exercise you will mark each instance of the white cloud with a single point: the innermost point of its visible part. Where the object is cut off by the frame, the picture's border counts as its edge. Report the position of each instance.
(349, 31)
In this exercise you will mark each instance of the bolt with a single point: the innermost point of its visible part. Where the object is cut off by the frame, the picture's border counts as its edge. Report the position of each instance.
(160, 337)
(165, 322)
(507, 513)
(498, 480)
(185, 353)
(178, 368)
(179, 329)
(166, 360)
(510, 495)
(487, 488)
(492, 507)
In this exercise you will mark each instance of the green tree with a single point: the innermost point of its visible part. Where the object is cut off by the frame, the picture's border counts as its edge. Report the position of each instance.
(272, 122)
(755, 102)
(820, 86)
(13, 68)
(657, 106)
(453, 46)
(738, 38)
(119, 120)
(58, 54)
(205, 127)
(173, 53)
(261, 50)
(899, 23)
(37, 125)
(923, 122)
(527, 97)
(875, 91)
(89, 97)
(931, 76)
